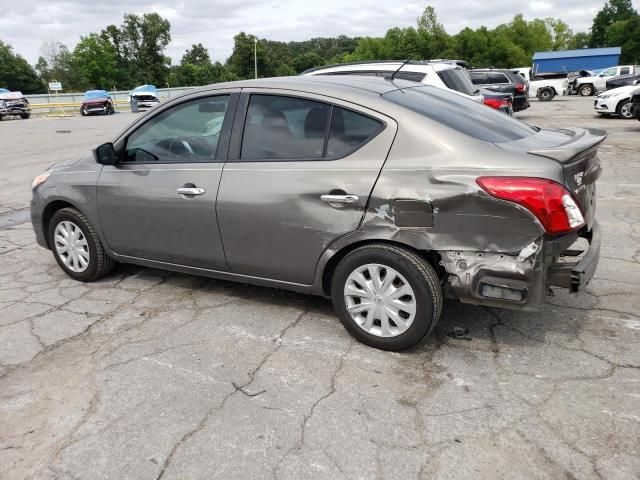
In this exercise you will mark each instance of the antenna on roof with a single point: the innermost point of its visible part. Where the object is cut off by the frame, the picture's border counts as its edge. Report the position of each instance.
(392, 77)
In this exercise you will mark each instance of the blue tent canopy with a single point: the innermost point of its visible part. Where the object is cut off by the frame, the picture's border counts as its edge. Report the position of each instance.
(95, 94)
(145, 88)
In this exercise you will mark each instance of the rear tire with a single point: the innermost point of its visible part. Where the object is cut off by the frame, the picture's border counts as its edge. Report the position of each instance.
(98, 264)
(586, 90)
(624, 109)
(546, 94)
(397, 271)
(83, 112)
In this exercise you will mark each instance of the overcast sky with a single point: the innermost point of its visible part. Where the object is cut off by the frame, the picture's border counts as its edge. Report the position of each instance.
(26, 24)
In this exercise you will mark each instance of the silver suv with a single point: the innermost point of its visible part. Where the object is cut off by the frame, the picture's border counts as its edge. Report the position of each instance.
(378, 194)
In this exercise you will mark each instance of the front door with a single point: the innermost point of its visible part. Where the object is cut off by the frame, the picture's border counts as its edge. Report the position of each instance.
(299, 175)
(158, 202)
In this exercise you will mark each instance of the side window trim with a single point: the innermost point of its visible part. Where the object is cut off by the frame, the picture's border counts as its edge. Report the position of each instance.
(239, 123)
(223, 142)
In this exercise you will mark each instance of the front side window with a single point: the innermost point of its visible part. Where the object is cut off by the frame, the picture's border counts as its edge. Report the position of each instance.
(609, 72)
(188, 132)
(289, 128)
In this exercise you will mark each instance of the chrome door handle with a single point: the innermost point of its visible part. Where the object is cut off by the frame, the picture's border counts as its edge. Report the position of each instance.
(190, 191)
(340, 198)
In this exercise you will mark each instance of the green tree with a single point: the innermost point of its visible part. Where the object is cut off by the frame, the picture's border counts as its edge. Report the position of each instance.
(16, 73)
(241, 61)
(579, 40)
(305, 61)
(55, 64)
(94, 63)
(434, 40)
(626, 34)
(139, 45)
(196, 55)
(613, 11)
(561, 34)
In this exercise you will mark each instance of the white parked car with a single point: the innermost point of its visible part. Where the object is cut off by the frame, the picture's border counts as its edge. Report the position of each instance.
(589, 85)
(616, 102)
(445, 74)
(145, 95)
(545, 87)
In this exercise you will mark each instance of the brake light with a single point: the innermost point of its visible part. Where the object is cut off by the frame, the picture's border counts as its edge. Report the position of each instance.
(496, 103)
(521, 87)
(551, 203)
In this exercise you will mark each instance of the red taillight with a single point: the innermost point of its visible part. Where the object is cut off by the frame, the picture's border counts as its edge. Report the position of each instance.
(521, 87)
(550, 202)
(496, 103)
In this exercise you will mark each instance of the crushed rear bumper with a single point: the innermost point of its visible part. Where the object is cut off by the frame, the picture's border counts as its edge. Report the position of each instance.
(522, 281)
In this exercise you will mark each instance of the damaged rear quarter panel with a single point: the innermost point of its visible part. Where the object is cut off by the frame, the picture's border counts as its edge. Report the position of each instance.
(467, 223)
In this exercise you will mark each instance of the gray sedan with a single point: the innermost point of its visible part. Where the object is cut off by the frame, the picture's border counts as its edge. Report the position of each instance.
(384, 195)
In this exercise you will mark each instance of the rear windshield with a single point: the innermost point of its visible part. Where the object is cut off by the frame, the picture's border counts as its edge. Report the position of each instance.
(457, 79)
(461, 114)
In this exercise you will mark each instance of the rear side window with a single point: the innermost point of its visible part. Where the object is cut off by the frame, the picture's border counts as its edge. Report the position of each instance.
(284, 128)
(477, 78)
(625, 71)
(290, 128)
(457, 79)
(461, 114)
(349, 131)
(411, 76)
(497, 77)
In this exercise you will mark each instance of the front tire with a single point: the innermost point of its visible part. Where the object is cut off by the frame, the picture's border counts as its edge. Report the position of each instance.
(83, 112)
(625, 109)
(586, 90)
(25, 116)
(77, 247)
(386, 297)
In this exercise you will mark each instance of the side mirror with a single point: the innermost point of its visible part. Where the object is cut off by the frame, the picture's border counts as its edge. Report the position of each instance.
(106, 154)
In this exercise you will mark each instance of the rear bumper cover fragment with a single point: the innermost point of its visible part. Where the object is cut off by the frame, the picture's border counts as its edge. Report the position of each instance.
(575, 275)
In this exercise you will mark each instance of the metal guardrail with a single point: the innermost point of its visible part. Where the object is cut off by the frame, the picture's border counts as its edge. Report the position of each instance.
(71, 102)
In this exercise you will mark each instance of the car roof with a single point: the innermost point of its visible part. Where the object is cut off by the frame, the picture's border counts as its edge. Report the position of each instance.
(338, 85)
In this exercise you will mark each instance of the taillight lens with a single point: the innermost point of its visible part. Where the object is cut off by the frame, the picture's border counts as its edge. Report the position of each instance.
(551, 203)
(521, 87)
(496, 103)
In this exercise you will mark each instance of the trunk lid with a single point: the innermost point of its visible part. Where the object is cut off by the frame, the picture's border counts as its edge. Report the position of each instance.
(576, 149)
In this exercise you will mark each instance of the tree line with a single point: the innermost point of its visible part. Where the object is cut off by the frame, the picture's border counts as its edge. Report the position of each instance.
(122, 57)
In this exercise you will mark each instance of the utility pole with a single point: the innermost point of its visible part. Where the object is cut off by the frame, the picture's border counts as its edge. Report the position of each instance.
(255, 56)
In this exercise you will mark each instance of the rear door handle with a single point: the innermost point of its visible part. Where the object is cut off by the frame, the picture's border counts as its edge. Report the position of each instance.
(340, 198)
(190, 191)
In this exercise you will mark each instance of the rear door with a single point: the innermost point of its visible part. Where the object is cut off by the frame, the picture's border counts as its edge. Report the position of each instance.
(300, 171)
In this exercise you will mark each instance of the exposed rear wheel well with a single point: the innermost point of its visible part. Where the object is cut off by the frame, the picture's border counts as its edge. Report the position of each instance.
(432, 257)
(49, 210)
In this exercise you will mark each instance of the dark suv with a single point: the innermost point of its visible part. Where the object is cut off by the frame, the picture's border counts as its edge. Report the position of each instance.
(504, 81)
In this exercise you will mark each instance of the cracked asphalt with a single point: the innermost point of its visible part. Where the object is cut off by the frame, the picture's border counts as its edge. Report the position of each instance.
(148, 374)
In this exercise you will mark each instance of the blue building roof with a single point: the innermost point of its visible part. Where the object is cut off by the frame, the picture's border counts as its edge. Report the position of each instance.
(583, 52)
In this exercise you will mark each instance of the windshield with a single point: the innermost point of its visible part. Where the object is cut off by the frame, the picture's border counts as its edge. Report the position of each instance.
(461, 114)
(458, 79)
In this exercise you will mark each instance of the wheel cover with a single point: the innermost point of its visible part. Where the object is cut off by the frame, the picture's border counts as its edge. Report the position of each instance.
(380, 300)
(72, 246)
(586, 90)
(625, 110)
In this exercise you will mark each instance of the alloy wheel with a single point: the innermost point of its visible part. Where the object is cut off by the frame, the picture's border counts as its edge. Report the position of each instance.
(380, 300)
(72, 246)
(626, 110)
